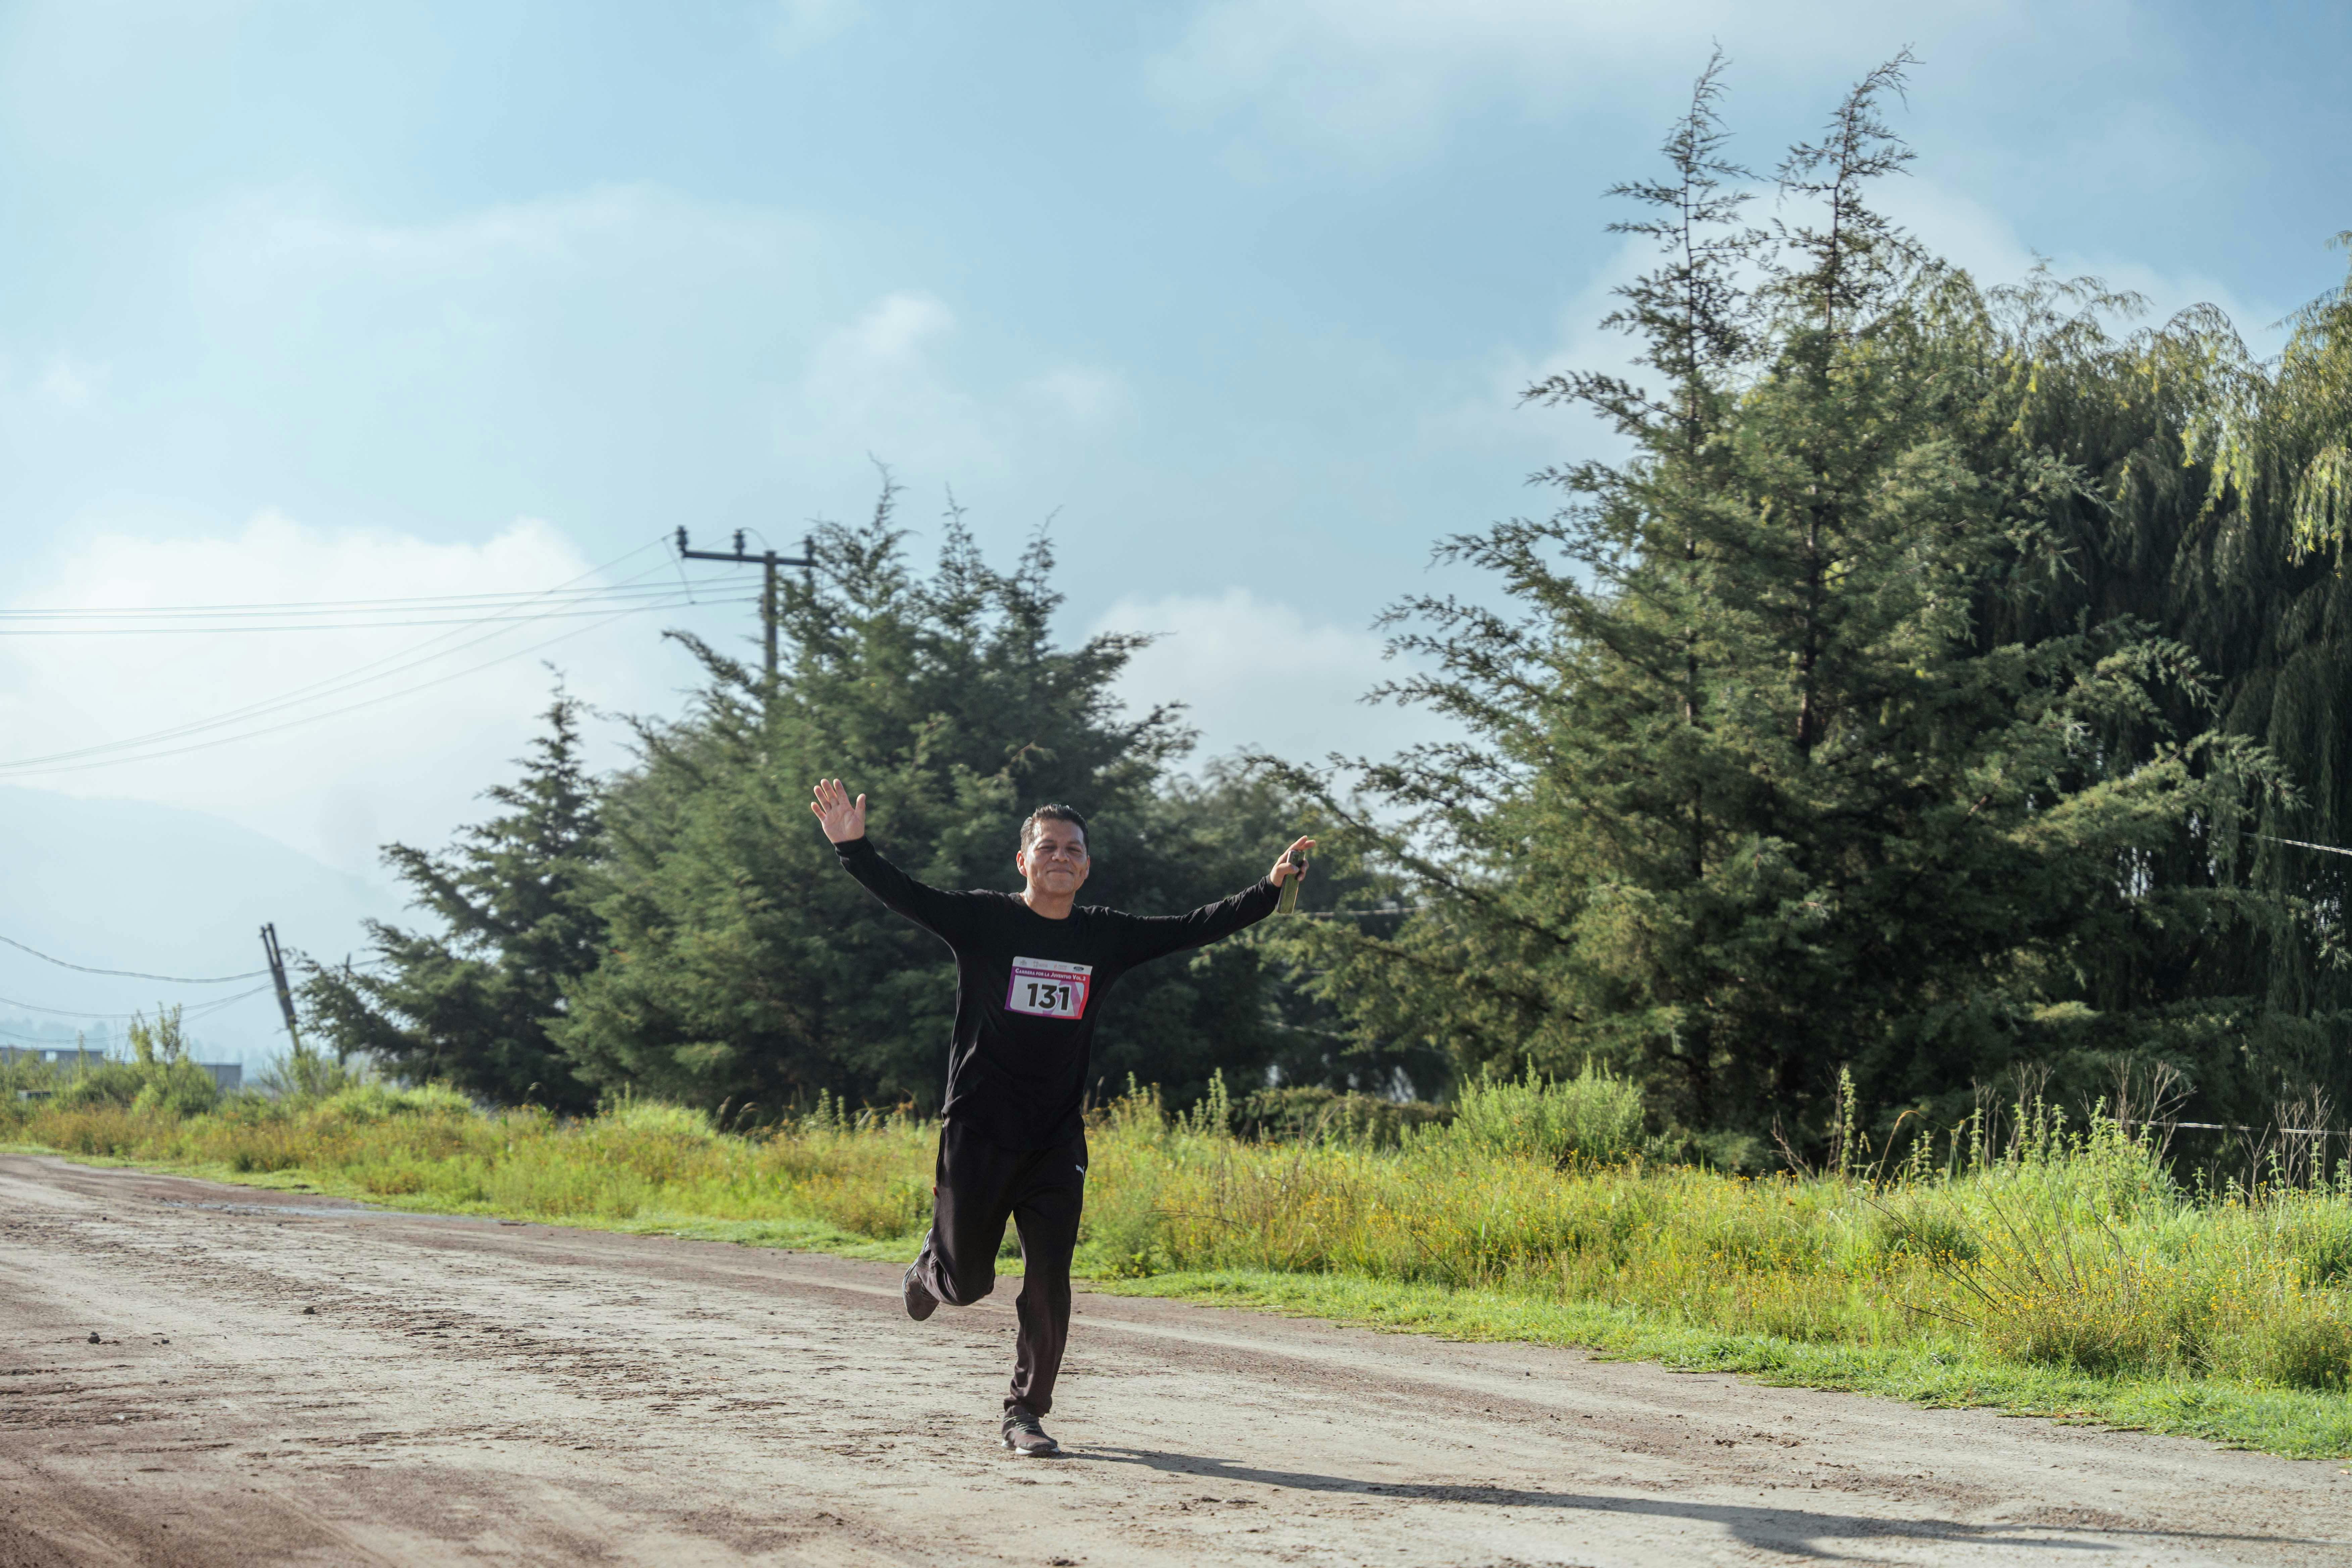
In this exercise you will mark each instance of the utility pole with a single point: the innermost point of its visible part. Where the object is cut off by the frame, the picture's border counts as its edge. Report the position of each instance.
(770, 559)
(278, 974)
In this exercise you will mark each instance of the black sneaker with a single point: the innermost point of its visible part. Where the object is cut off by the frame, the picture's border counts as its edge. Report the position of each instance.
(1026, 1437)
(920, 1302)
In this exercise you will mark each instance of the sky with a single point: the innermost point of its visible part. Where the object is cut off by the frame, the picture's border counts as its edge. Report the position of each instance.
(311, 302)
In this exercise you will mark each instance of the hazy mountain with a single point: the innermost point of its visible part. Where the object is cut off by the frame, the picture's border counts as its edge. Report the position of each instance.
(122, 884)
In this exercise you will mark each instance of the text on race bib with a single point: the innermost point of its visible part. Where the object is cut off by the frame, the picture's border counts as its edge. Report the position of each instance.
(1044, 989)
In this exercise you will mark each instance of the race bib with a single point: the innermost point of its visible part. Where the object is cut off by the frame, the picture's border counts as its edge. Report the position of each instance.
(1044, 989)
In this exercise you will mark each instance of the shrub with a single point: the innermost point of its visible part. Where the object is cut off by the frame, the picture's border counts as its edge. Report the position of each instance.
(263, 1148)
(884, 1210)
(2069, 1249)
(1594, 1116)
(1915, 1225)
(2100, 1309)
(372, 1101)
(2316, 1229)
(159, 1079)
(107, 1083)
(656, 1119)
(106, 1130)
(304, 1077)
(178, 1089)
(1309, 1112)
(2305, 1344)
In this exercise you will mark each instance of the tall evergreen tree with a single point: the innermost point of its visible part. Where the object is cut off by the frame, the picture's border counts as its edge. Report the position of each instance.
(471, 1004)
(1777, 759)
(745, 967)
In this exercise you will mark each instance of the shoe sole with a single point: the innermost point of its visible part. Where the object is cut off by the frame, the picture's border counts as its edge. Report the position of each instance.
(1018, 1452)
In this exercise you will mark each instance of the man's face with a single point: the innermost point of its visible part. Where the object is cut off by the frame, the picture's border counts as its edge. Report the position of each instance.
(1056, 860)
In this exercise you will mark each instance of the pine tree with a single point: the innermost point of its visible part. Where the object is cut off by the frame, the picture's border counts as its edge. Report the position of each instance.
(745, 969)
(471, 1004)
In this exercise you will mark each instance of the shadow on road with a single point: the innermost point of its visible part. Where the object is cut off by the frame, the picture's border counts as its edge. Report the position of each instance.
(1797, 1531)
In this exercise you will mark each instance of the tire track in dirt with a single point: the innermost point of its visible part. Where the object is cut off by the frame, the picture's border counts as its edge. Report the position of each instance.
(280, 1378)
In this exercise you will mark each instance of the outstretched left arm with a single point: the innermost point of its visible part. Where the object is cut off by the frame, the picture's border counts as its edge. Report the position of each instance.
(1156, 936)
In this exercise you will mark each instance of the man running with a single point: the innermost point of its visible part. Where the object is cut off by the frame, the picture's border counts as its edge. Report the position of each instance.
(1031, 972)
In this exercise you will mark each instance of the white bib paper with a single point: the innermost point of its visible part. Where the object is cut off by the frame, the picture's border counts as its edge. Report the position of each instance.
(1046, 989)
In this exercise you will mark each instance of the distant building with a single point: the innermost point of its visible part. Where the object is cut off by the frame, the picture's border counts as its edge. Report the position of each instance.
(229, 1075)
(71, 1057)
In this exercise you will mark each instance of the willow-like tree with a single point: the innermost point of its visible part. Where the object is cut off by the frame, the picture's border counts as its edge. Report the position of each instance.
(2260, 576)
(1777, 757)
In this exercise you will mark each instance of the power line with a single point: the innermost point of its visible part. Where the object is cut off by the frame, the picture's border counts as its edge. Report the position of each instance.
(321, 606)
(188, 1014)
(134, 974)
(317, 689)
(200, 1010)
(768, 560)
(2299, 844)
(62, 1012)
(34, 767)
(42, 1040)
(2241, 1127)
(675, 601)
(349, 612)
(1266, 927)
(49, 1042)
(407, 658)
(222, 1005)
(411, 658)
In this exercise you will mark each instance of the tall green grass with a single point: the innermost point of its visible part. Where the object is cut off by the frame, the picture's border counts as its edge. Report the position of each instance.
(2068, 1252)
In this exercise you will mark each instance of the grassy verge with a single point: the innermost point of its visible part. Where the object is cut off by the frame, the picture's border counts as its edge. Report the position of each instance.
(2064, 1275)
(2293, 1422)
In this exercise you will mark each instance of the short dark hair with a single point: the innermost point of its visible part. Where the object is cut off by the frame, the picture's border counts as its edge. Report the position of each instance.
(1050, 814)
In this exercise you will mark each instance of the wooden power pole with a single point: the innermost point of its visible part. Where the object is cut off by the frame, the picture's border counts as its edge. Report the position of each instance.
(770, 559)
(278, 975)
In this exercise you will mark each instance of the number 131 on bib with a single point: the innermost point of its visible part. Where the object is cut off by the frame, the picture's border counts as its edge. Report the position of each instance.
(1044, 989)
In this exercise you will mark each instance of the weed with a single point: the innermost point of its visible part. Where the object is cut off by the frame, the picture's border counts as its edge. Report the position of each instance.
(2067, 1255)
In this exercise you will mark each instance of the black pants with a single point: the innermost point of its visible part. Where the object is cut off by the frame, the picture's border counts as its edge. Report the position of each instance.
(1042, 1191)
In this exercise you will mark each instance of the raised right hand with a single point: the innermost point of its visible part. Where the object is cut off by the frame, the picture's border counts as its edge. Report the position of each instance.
(842, 819)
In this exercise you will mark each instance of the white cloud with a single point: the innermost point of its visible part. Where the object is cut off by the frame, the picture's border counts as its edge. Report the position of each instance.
(74, 78)
(893, 334)
(1487, 414)
(70, 383)
(1078, 395)
(1366, 76)
(678, 331)
(1491, 414)
(641, 288)
(802, 25)
(1259, 674)
(648, 327)
(885, 383)
(1965, 231)
(405, 768)
(876, 385)
(260, 246)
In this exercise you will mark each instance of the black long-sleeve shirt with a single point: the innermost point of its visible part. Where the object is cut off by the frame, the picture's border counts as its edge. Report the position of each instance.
(1029, 989)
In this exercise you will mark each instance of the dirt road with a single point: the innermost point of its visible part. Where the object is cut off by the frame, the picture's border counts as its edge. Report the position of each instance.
(282, 1379)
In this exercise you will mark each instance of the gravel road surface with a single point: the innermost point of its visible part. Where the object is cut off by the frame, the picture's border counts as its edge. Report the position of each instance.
(194, 1374)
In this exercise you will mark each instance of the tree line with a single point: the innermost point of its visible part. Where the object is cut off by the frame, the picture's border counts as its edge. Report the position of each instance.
(1950, 681)
(681, 928)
